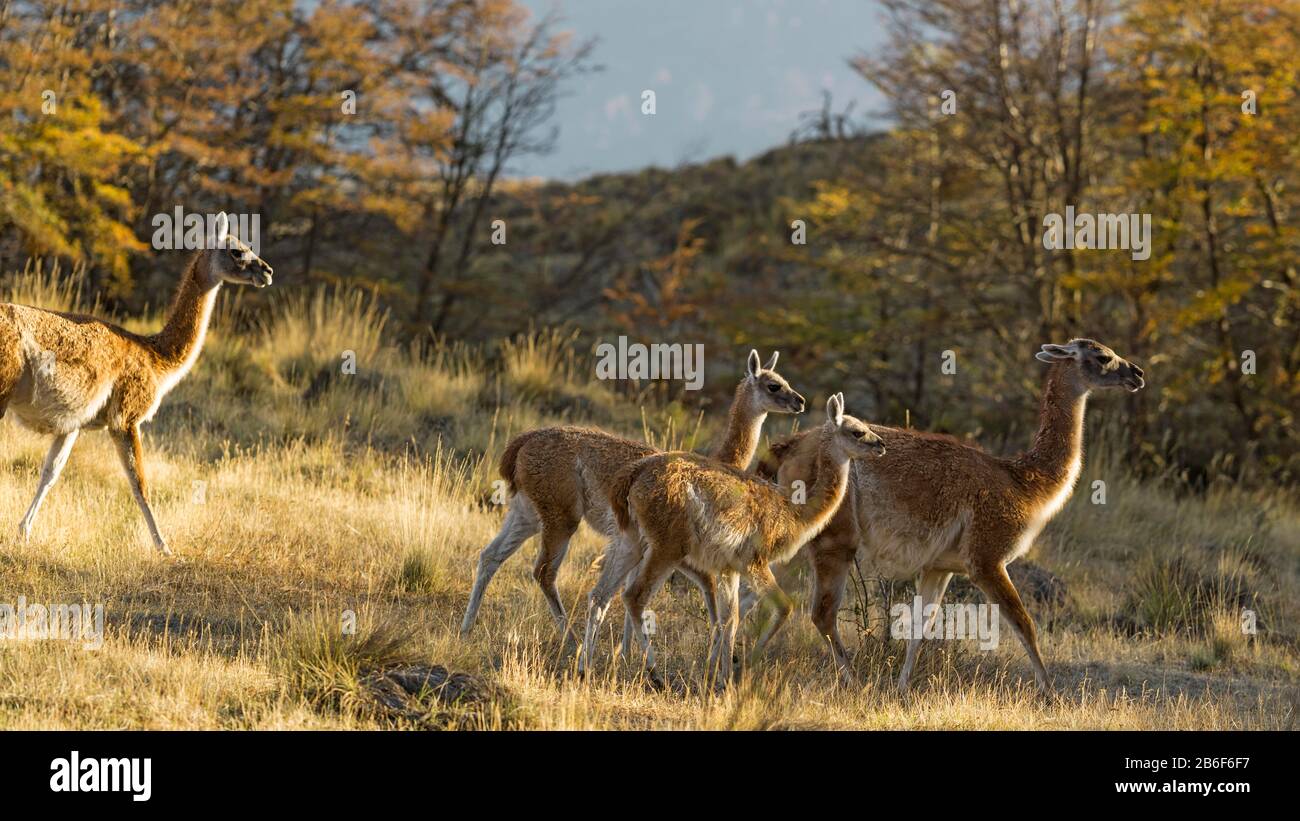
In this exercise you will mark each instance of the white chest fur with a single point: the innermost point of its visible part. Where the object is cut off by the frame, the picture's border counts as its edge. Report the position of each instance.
(1048, 509)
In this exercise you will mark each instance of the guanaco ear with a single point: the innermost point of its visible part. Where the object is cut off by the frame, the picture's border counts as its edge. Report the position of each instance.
(771, 363)
(222, 229)
(754, 365)
(1056, 353)
(835, 409)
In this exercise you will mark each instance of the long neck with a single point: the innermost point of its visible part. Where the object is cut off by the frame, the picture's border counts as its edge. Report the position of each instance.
(1057, 450)
(826, 493)
(744, 427)
(181, 338)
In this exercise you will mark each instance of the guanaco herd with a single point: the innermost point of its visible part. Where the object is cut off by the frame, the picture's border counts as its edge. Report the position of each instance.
(919, 505)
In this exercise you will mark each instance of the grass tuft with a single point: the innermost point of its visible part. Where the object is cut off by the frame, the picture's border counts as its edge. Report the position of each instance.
(326, 666)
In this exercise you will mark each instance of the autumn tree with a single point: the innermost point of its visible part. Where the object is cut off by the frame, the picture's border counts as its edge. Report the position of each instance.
(62, 167)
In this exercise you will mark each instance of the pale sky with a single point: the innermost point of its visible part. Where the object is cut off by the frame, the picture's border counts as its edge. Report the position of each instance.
(730, 77)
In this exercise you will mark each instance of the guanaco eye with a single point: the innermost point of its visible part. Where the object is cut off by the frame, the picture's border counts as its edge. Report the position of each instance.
(859, 434)
(773, 388)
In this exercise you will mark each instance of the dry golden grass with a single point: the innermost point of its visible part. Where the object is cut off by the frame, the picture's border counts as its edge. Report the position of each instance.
(369, 500)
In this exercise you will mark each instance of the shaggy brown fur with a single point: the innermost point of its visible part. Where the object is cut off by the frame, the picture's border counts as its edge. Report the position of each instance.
(63, 373)
(936, 506)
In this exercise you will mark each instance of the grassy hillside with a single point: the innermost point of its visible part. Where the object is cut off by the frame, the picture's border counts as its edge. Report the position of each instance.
(322, 494)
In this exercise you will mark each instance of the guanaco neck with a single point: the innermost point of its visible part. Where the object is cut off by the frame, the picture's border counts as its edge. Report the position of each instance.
(181, 338)
(828, 488)
(744, 428)
(1056, 454)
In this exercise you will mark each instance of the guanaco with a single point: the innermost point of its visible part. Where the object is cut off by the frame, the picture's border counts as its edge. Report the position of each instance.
(690, 511)
(937, 506)
(62, 373)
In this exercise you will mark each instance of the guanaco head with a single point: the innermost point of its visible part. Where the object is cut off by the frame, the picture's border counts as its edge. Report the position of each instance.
(233, 261)
(1098, 366)
(771, 392)
(853, 435)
